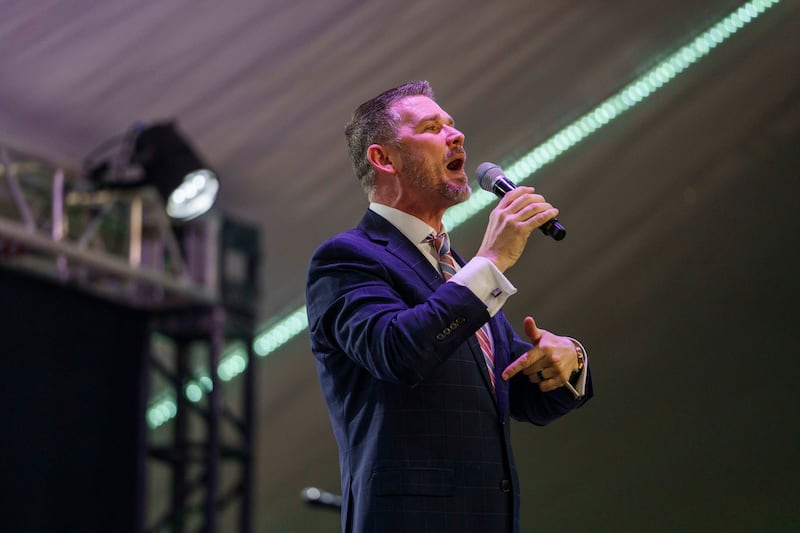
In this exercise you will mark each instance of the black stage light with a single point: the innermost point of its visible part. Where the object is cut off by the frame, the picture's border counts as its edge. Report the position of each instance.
(169, 163)
(159, 156)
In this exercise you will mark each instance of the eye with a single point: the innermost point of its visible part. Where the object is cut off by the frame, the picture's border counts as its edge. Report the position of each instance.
(432, 127)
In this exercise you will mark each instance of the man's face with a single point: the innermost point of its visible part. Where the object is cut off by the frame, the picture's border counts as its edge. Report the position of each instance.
(431, 152)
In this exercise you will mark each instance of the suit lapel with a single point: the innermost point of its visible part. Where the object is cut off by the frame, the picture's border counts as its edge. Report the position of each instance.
(379, 230)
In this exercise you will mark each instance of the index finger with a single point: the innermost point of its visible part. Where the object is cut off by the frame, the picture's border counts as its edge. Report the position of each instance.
(523, 361)
(513, 194)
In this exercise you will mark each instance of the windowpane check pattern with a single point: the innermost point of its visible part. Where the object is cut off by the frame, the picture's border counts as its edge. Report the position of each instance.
(448, 267)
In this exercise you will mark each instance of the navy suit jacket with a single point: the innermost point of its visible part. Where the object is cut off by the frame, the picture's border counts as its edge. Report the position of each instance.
(424, 442)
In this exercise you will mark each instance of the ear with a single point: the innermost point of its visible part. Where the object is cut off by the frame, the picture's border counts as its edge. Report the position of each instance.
(379, 158)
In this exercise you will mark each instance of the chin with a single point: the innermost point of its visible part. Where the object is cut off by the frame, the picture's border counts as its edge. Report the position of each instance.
(457, 193)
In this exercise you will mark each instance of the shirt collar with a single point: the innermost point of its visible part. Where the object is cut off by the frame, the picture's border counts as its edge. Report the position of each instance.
(413, 228)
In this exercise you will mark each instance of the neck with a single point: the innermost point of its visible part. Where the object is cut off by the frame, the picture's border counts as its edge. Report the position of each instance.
(429, 215)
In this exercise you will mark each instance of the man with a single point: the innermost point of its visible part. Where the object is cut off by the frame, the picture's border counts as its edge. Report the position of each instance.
(419, 368)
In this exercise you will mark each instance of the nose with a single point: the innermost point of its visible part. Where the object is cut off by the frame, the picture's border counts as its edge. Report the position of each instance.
(455, 137)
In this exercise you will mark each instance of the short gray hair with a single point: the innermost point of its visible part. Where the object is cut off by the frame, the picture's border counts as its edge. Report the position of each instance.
(374, 122)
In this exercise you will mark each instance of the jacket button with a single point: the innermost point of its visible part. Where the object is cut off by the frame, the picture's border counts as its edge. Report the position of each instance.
(505, 485)
(440, 337)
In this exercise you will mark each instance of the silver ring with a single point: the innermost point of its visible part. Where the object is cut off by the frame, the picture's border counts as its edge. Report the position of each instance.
(539, 375)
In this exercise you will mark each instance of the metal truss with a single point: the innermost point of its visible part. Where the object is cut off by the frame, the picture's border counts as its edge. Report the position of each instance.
(209, 434)
(115, 242)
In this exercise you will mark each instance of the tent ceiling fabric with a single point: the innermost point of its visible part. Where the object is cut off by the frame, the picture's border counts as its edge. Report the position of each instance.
(263, 89)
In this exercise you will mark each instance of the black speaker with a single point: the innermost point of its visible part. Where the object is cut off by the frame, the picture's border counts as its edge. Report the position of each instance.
(72, 398)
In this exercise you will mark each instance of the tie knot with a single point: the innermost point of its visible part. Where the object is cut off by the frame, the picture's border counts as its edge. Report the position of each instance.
(440, 242)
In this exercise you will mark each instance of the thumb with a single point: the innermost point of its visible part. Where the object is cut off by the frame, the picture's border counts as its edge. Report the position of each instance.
(531, 330)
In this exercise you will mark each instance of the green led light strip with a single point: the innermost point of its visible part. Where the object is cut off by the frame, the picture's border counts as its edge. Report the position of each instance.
(164, 407)
(614, 106)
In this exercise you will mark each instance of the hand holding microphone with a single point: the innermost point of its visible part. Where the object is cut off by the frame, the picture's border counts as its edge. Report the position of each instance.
(491, 178)
(512, 221)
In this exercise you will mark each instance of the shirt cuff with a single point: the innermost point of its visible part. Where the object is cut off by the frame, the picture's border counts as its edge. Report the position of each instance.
(486, 281)
(579, 389)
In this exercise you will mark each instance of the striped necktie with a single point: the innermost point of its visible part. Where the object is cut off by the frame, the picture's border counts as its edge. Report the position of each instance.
(448, 267)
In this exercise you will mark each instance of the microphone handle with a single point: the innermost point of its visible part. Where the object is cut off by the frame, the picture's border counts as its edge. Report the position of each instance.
(551, 228)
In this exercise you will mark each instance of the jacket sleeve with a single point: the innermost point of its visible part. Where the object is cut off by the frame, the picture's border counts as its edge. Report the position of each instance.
(367, 304)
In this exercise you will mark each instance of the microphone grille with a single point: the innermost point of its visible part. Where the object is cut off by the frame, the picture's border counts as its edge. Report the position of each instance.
(488, 174)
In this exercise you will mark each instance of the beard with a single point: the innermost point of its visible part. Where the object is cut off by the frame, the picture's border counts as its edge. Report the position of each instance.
(423, 175)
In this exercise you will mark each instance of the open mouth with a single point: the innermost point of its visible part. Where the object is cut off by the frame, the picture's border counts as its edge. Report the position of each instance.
(456, 164)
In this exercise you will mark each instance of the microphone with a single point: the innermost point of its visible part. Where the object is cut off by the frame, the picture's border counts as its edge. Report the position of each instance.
(491, 178)
(320, 498)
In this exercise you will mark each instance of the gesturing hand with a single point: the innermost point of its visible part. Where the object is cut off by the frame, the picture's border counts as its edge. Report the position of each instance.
(549, 363)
